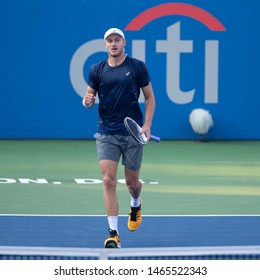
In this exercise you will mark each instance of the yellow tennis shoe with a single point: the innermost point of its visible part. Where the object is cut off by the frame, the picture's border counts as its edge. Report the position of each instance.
(113, 241)
(135, 218)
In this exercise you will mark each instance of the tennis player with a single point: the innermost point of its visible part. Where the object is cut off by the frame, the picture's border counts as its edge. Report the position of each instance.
(117, 81)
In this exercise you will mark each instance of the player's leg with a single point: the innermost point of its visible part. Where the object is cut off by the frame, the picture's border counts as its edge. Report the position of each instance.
(109, 170)
(109, 154)
(132, 159)
(134, 186)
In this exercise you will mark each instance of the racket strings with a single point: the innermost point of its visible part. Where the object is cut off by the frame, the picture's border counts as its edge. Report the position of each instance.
(136, 131)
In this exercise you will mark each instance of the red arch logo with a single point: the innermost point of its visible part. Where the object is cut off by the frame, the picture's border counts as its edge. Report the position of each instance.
(176, 9)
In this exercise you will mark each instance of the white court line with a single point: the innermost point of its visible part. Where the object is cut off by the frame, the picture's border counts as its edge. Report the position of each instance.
(74, 215)
(129, 252)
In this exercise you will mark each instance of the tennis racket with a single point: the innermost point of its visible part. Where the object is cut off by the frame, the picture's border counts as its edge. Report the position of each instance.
(136, 131)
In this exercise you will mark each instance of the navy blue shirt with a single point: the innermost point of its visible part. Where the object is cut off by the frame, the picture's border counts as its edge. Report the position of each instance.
(118, 92)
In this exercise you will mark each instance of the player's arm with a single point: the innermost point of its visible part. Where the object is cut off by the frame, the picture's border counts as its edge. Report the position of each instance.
(149, 109)
(90, 97)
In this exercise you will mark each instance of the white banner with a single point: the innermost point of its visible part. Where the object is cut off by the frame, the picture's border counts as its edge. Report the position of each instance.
(126, 269)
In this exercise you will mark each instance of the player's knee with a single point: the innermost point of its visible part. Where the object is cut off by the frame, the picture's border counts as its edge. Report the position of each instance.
(109, 182)
(133, 183)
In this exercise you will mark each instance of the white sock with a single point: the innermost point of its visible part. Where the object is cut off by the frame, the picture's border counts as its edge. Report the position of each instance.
(113, 223)
(135, 202)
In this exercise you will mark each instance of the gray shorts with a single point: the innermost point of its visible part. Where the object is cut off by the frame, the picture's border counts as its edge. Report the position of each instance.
(112, 147)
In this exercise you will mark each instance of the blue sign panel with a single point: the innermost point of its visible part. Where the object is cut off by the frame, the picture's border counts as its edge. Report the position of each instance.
(200, 54)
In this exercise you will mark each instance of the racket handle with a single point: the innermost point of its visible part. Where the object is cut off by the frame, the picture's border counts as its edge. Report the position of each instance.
(155, 138)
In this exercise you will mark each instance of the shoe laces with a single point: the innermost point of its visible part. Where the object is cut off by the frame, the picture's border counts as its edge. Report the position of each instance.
(112, 233)
(135, 213)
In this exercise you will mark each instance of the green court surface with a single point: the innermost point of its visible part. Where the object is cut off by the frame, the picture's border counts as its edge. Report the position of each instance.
(179, 178)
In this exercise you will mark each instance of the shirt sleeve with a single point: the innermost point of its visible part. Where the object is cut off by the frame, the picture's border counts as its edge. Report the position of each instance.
(143, 78)
(92, 78)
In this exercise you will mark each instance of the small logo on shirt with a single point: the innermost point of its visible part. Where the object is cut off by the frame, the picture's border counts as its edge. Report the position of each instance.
(127, 73)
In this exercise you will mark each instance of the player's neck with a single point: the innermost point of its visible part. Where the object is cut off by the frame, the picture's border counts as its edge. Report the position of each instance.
(116, 61)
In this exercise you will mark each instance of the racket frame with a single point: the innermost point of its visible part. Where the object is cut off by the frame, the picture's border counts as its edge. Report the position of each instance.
(142, 135)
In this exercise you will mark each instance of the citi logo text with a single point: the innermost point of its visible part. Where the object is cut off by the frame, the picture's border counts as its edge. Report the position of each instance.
(172, 46)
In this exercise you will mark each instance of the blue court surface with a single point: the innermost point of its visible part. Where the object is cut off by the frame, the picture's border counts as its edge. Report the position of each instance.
(156, 231)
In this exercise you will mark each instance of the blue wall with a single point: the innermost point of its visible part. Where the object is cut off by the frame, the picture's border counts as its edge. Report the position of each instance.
(201, 55)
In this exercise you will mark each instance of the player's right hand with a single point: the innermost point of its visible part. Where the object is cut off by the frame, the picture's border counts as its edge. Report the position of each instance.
(89, 100)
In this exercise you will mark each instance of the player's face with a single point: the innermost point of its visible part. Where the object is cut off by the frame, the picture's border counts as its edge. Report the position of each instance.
(115, 45)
